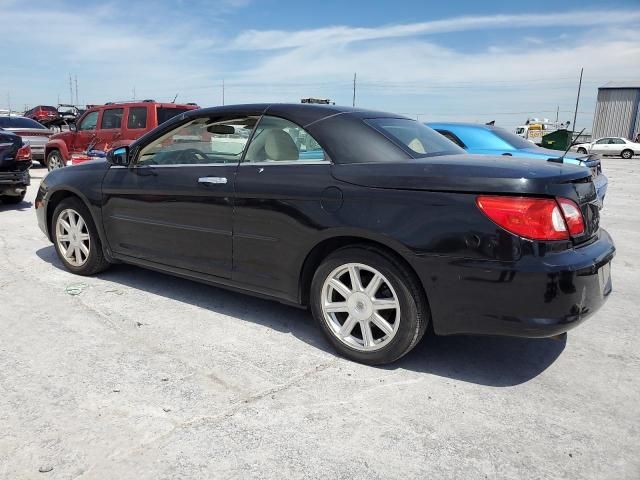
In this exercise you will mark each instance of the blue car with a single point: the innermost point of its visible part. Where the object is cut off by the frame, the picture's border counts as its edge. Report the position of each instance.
(491, 140)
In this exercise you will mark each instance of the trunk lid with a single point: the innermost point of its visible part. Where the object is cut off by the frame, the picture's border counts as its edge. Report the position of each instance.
(480, 174)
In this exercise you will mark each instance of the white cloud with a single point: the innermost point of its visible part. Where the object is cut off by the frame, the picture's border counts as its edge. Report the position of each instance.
(405, 68)
(277, 39)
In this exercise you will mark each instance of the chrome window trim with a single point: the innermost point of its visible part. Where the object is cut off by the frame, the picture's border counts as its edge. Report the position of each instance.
(287, 162)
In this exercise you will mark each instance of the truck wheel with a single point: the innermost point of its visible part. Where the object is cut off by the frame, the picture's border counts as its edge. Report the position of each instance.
(582, 150)
(368, 304)
(13, 199)
(626, 154)
(54, 160)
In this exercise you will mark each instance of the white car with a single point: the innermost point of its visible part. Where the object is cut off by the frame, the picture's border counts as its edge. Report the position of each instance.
(616, 146)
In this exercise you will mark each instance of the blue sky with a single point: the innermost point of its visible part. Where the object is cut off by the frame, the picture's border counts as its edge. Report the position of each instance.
(456, 60)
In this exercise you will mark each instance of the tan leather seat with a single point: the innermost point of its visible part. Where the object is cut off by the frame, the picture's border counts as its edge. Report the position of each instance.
(279, 146)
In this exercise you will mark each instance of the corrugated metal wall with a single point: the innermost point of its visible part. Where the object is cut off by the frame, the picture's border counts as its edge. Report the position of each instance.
(617, 113)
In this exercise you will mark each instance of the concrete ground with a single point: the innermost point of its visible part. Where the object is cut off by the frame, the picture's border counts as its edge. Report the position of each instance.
(137, 375)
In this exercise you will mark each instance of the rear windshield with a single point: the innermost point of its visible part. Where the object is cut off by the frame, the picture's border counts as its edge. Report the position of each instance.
(165, 114)
(19, 122)
(48, 109)
(420, 139)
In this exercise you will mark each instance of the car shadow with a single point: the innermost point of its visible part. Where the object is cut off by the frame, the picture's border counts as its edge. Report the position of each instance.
(484, 360)
(22, 206)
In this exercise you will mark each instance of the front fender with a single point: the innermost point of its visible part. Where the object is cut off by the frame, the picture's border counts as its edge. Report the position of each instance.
(90, 193)
(57, 144)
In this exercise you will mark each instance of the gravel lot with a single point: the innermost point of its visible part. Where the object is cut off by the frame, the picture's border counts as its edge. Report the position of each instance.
(137, 375)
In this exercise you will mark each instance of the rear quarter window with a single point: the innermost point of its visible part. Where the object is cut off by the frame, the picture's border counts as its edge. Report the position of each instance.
(165, 113)
(421, 140)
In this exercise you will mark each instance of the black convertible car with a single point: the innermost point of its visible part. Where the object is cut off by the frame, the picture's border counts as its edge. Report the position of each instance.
(376, 222)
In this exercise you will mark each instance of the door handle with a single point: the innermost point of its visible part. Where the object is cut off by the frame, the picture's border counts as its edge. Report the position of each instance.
(213, 180)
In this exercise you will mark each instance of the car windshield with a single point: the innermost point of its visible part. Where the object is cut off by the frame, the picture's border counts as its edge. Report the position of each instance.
(19, 122)
(165, 114)
(48, 109)
(420, 139)
(511, 138)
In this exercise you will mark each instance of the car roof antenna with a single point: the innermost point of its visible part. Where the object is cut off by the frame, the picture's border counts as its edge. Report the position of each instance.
(174, 99)
(571, 144)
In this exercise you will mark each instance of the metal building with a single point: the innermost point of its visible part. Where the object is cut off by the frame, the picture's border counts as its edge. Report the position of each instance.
(617, 110)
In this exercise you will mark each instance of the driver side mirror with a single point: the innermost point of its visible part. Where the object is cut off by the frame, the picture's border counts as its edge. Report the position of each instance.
(118, 156)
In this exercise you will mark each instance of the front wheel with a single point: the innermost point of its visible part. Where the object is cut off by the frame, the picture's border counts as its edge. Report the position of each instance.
(626, 154)
(369, 305)
(76, 239)
(54, 160)
(582, 150)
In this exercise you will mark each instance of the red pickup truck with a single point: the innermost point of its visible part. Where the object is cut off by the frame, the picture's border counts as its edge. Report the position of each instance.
(108, 126)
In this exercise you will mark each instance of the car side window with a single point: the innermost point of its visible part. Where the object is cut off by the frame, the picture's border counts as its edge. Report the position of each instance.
(617, 141)
(279, 140)
(137, 118)
(602, 141)
(111, 118)
(203, 141)
(89, 122)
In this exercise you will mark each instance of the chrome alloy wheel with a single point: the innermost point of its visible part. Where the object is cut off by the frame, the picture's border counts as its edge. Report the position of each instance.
(55, 161)
(72, 237)
(360, 307)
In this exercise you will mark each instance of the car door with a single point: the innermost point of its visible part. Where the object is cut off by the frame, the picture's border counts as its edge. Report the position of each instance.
(616, 145)
(600, 146)
(86, 131)
(173, 205)
(110, 128)
(280, 187)
(136, 126)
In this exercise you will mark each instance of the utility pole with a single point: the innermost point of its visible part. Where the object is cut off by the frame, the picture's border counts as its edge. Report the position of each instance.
(70, 90)
(575, 114)
(354, 89)
(134, 93)
(223, 91)
(77, 102)
(557, 113)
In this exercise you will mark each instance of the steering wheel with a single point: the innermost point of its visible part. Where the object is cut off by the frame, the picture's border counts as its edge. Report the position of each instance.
(191, 155)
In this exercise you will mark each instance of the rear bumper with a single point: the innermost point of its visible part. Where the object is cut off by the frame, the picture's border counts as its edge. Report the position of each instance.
(14, 182)
(534, 297)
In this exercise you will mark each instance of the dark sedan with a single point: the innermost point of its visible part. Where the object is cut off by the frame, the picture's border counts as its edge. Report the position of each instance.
(375, 222)
(15, 160)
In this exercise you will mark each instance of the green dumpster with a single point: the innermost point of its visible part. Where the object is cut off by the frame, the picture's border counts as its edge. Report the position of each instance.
(557, 140)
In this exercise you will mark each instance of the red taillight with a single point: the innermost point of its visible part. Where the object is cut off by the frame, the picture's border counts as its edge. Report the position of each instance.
(572, 216)
(24, 153)
(534, 218)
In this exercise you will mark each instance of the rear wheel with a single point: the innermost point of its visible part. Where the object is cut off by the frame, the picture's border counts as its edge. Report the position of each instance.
(626, 154)
(76, 239)
(13, 199)
(369, 305)
(582, 150)
(54, 160)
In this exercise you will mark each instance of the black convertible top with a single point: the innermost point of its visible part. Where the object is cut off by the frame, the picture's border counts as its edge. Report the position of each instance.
(303, 114)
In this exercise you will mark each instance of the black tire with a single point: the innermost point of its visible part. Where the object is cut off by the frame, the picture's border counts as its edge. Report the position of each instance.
(54, 160)
(13, 199)
(582, 150)
(626, 154)
(414, 311)
(95, 261)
